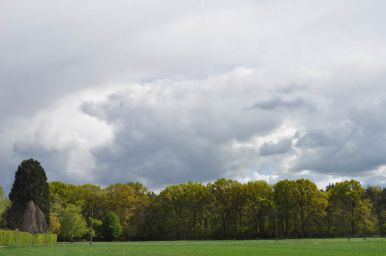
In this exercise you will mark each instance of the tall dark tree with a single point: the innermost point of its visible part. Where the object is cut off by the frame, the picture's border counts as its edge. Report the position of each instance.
(30, 185)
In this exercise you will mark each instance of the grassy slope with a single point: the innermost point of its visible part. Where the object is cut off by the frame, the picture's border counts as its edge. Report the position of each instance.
(330, 247)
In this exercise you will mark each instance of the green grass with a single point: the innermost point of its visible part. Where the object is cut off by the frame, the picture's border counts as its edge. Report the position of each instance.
(306, 247)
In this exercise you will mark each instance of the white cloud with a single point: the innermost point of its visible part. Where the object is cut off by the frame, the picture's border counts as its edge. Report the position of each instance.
(62, 138)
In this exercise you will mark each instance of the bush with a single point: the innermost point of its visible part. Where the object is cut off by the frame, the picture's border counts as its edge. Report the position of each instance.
(14, 238)
(111, 227)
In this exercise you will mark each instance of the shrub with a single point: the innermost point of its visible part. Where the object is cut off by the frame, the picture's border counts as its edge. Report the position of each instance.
(14, 238)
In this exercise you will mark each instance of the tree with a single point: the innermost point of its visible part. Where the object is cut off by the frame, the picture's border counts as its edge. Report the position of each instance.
(284, 192)
(4, 204)
(93, 201)
(309, 204)
(383, 222)
(72, 223)
(54, 223)
(259, 204)
(61, 194)
(93, 205)
(377, 196)
(136, 226)
(125, 200)
(111, 227)
(94, 228)
(367, 221)
(346, 200)
(173, 204)
(228, 202)
(197, 210)
(30, 185)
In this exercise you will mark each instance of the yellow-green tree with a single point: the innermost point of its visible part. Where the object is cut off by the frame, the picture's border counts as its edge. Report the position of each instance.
(126, 200)
(72, 223)
(4, 204)
(346, 201)
(259, 204)
(309, 205)
(228, 202)
(54, 223)
(284, 193)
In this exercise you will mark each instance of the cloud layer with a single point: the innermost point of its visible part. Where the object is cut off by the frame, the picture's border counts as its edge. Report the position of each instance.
(165, 92)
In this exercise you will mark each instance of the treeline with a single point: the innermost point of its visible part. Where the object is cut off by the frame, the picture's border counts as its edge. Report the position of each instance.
(224, 209)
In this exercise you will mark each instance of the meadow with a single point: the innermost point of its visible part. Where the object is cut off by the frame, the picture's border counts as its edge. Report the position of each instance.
(305, 247)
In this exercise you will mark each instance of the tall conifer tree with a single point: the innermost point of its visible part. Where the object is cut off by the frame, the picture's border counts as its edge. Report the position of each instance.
(30, 185)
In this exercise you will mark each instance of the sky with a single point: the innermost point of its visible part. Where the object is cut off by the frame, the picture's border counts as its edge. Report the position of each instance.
(165, 92)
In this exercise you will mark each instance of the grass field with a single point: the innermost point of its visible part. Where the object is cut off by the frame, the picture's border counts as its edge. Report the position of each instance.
(311, 247)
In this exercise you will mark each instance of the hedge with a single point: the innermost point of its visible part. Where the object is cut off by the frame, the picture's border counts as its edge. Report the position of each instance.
(15, 238)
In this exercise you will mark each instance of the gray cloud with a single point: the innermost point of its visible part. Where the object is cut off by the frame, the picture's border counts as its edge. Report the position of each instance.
(278, 148)
(165, 132)
(351, 146)
(279, 103)
(54, 160)
(315, 139)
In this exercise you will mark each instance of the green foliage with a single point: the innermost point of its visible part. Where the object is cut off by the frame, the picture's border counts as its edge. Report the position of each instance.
(227, 209)
(72, 223)
(346, 205)
(4, 204)
(128, 202)
(54, 223)
(95, 227)
(16, 238)
(184, 208)
(93, 200)
(284, 194)
(30, 185)
(309, 205)
(111, 227)
(259, 196)
(62, 194)
(229, 199)
(377, 197)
